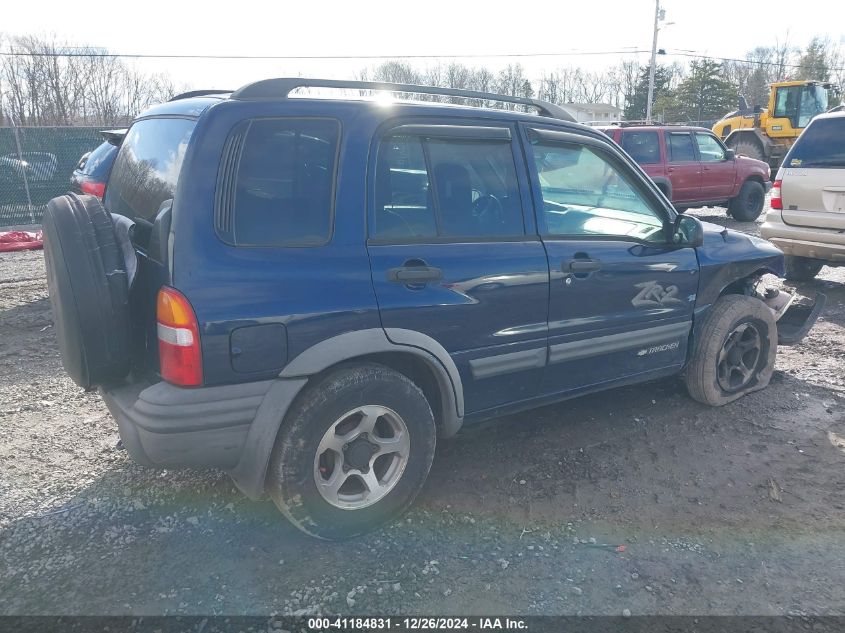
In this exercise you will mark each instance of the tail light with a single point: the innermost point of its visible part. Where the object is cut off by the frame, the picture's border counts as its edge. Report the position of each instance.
(776, 200)
(96, 189)
(179, 350)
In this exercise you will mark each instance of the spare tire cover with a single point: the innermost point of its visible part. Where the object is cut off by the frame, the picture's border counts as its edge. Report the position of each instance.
(87, 281)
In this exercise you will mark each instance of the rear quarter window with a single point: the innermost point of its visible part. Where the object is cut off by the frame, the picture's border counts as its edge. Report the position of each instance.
(643, 147)
(821, 145)
(680, 147)
(280, 189)
(147, 167)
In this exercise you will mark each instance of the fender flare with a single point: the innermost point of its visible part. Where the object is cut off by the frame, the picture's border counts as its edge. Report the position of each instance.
(375, 340)
(251, 471)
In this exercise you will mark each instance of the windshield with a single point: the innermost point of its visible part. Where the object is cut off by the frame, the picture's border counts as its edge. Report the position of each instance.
(801, 103)
(813, 102)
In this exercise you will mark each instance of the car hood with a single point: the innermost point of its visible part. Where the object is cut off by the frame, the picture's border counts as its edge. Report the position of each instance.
(746, 163)
(726, 245)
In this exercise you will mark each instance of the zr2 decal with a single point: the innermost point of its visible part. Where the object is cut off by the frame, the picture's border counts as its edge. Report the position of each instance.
(652, 294)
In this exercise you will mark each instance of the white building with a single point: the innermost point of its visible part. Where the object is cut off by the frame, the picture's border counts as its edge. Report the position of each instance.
(593, 112)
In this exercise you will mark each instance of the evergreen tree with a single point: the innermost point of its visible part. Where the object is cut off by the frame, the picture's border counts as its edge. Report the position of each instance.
(815, 60)
(704, 94)
(635, 103)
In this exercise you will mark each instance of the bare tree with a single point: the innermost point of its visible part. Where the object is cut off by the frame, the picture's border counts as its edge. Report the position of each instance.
(48, 82)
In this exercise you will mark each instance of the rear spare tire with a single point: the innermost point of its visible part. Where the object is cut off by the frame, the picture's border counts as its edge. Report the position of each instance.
(89, 293)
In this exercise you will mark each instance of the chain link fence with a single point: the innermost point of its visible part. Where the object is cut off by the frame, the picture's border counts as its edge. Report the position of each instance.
(36, 164)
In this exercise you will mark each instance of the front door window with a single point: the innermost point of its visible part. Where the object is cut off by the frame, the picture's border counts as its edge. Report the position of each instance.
(585, 194)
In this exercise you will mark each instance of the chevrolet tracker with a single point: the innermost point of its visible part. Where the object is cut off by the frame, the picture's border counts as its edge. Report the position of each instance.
(307, 291)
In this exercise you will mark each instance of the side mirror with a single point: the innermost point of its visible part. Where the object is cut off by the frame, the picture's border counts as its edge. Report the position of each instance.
(687, 231)
(730, 154)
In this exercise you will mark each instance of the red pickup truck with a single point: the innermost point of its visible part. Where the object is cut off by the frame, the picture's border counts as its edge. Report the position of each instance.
(694, 169)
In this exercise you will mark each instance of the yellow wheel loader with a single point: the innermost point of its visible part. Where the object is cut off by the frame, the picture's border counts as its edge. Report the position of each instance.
(767, 133)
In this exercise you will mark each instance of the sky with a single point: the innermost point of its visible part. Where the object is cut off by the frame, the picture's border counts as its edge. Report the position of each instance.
(434, 27)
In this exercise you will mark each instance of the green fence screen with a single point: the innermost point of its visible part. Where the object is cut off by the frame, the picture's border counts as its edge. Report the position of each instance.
(36, 164)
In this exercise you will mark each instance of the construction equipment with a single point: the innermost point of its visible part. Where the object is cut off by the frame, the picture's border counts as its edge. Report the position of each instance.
(767, 133)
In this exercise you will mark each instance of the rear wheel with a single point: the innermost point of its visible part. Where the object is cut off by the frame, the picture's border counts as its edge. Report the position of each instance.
(353, 452)
(801, 268)
(734, 351)
(748, 203)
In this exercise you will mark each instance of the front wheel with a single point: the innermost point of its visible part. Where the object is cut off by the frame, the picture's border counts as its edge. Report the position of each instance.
(748, 203)
(734, 351)
(353, 452)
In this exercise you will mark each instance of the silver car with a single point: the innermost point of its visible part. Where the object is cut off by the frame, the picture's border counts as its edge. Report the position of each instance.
(807, 216)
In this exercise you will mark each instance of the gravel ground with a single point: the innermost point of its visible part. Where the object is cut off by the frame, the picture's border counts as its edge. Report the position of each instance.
(739, 510)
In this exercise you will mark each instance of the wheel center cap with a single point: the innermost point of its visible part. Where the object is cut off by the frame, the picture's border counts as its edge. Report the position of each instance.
(357, 453)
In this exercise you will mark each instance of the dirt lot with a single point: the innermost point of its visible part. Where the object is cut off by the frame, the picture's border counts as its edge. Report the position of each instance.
(739, 510)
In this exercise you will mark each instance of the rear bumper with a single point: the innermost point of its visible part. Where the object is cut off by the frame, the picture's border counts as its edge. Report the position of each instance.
(803, 241)
(231, 427)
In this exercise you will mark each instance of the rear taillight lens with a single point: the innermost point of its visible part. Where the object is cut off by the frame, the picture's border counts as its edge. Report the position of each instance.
(179, 350)
(97, 189)
(776, 200)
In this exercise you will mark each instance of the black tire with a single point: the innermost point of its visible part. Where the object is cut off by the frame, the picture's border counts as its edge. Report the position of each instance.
(729, 314)
(291, 479)
(748, 203)
(802, 268)
(750, 149)
(87, 282)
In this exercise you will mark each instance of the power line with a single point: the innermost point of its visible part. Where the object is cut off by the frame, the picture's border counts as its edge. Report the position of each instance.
(688, 53)
(624, 51)
(307, 57)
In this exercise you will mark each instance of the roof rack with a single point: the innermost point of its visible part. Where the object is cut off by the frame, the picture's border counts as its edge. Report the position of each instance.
(282, 87)
(619, 123)
(197, 93)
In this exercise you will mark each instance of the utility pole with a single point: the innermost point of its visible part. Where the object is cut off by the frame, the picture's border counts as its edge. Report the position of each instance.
(651, 68)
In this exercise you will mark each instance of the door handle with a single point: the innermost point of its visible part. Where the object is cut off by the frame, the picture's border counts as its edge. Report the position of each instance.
(415, 274)
(579, 266)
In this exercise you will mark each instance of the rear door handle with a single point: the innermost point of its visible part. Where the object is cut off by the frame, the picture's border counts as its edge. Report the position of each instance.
(581, 266)
(415, 274)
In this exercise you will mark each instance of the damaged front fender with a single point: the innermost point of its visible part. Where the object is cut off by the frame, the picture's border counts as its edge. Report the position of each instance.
(727, 257)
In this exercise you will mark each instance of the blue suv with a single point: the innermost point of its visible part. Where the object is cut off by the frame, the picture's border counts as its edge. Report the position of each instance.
(306, 292)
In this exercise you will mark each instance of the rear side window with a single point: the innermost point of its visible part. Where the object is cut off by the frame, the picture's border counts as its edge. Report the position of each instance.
(446, 188)
(821, 145)
(283, 193)
(99, 161)
(643, 147)
(680, 148)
